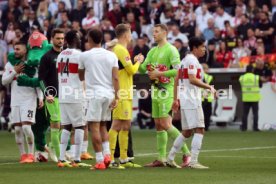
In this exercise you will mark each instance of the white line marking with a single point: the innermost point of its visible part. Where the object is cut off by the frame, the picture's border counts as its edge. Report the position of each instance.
(216, 150)
(228, 156)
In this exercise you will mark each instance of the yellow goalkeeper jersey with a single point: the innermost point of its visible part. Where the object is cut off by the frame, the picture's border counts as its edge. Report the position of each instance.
(126, 71)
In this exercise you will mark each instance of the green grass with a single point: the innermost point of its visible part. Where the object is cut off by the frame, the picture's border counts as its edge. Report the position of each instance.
(255, 165)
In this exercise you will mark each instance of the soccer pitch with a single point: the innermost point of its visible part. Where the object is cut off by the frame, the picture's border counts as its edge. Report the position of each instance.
(233, 158)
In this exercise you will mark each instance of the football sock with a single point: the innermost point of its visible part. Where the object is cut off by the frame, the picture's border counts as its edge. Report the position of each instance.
(84, 146)
(106, 148)
(99, 157)
(19, 139)
(195, 147)
(162, 139)
(174, 133)
(178, 142)
(123, 144)
(55, 140)
(112, 142)
(27, 129)
(79, 133)
(65, 136)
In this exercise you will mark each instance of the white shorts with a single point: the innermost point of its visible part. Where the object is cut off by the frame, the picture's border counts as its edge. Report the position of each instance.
(97, 109)
(192, 118)
(23, 114)
(72, 114)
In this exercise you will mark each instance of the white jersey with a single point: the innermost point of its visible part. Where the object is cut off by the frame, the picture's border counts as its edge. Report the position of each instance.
(98, 64)
(19, 94)
(190, 95)
(70, 86)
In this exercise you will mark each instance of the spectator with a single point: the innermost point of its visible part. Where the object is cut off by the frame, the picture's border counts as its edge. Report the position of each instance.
(90, 20)
(217, 37)
(209, 32)
(187, 28)
(61, 9)
(202, 18)
(25, 15)
(167, 16)
(47, 29)
(79, 13)
(251, 41)
(65, 22)
(236, 20)
(155, 12)
(140, 48)
(187, 12)
(182, 50)
(32, 21)
(178, 13)
(210, 56)
(223, 56)
(146, 26)
(20, 36)
(244, 26)
(134, 25)
(76, 26)
(144, 105)
(3, 52)
(107, 26)
(239, 51)
(220, 17)
(240, 4)
(176, 34)
(131, 7)
(115, 15)
(265, 9)
(53, 7)
(42, 12)
(10, 14)
(107, 38)
(252, 11)
(10, 36)
(262, 69)
(231, 39)
(265, 30)
(98, 6)
(260, 48)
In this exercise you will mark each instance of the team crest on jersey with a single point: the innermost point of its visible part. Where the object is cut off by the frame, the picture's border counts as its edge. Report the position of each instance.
(126, 113)
(127, 58)
(191, 67)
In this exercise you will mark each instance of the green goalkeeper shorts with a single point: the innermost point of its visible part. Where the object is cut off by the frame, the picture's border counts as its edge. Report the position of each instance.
(54, 110)
(162, 108)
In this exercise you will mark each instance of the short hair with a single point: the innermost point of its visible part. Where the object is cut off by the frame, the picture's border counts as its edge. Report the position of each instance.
(96, 35)
(88, 9)
(195, 42)
(250, 68)
(179, 41)
(20, 43)
(121, 29)
(162, 26)
(56, 31)
(71, 36)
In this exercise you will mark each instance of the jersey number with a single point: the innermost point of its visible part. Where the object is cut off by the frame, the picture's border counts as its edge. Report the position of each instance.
(30, 114)
(65, 67)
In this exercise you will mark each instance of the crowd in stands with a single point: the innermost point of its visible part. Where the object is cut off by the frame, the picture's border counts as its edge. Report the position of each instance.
(232, 28)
